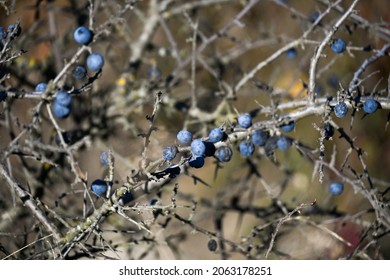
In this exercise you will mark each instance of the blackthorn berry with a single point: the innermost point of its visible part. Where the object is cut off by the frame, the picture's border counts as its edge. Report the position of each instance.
(336, 188)
(370, 106)
(61, 111)
(95, 61)
(63, 98)
(245, 120)
(82, 35)
(41, 87)
(329, 131)
(79, 72)
(210, 149)
(184, 136)
(288, 127)
(105, 158)
(99, 187)
(259, 137)
(14, 32)
(196, 162)
(3, 96)
(215, 135)
(338, 46)
(224, 154)
(3, 33)
(169, 153)
(314, 16)
(198, 147)
(67, 136)
(340, 110)
(292, 53)
(126, 198)
(246, 148)
(283, 143)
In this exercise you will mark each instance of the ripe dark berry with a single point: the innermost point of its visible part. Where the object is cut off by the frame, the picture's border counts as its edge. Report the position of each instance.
(67, 136)
(198, 147)
(338, 46)
(246, 148)
(288, 127)
(3, 33)
(99, 187)
(3, 96)
(314, 16)
(292, 53)
(245, 120)
(126, 198)
(79, 72)
(60, 111)
(14, 30)
(210, 149)
(340, 110)
(95, 61)
(370, 106)
(224, 154)
(336, 188)
(63, 98)
(169, 153)
(215, 135)
(184, 136)
(212, 245)
(82, 35)
(283, 143)
(41, 87)
(329, 131)
(196, 162)
(260, 137)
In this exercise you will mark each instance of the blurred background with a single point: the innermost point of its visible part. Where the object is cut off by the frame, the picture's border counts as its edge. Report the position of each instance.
(238, 203)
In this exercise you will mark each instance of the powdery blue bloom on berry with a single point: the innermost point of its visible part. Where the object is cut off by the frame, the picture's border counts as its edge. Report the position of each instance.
(338, 46)
(60, 111)
(260, 137)
(336, 188)
(292, 53)
(99, 187)
(104, 158)
(95, 61)
(288, 127)
(79, 72)
(370, 106)
(198, 147)
(245, 120)
(63, 98)
(41, 87)
(224, 154)
(184, 136)
(283, 143)
(169, 153)
(196, 162)
(340, 110)
(246, 148)
(82, 35)
(215, 135)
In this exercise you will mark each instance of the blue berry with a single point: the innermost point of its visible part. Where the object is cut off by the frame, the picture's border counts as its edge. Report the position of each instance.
(60, 111)
(246, 148)
(224, 154)
(184, 136)
(198, 147)
(210, 149)
(260, 137)
(95, 61)
(336, 188)
(314, 16)
(99, 187)
(340, 110)
(105, 158)
(329, 131)
(215, 135)
(79, 72)
(3, 96)
(82, 35)
(127, 197)
(245, 120)
(338, 46)
(370, 106)
(288, 127)
(172, 171)
(283, 143)
(196, 162)
(169, 153)
(3, 33)
(14, 30)
(63, 98)
(41, 87)
(292, 53)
